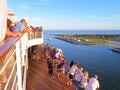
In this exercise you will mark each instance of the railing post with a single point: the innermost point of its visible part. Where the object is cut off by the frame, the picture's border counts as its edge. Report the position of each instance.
(24, 40)
(18, 61)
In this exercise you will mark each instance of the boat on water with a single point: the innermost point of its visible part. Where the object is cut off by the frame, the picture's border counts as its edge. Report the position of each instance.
(116, 50)
(50, 38)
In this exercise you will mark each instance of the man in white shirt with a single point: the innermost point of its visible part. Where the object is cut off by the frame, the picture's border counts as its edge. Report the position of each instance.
(93, 83)
(78, 76)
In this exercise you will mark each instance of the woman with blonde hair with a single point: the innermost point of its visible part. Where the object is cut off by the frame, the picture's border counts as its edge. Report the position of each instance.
(84, 80)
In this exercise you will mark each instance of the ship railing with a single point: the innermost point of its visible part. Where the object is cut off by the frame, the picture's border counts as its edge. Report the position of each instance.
(14, 62)
(35, 34)
(35, 38)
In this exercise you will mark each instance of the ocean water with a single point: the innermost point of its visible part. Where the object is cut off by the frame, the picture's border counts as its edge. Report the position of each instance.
(82, 31)
(96, 59)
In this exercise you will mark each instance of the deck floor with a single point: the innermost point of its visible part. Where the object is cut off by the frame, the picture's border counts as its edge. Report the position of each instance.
(38, 79)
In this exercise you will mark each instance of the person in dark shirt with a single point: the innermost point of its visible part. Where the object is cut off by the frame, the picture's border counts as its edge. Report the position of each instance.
(71, 63)
(50, 67)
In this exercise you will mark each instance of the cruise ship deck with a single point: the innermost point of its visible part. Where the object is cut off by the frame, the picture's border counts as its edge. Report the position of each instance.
(38, 79)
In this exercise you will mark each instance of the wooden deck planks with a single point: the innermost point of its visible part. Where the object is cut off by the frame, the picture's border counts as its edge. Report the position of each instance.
(38, 78)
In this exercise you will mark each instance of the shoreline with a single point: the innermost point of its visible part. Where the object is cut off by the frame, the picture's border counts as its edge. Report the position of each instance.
(90, 39)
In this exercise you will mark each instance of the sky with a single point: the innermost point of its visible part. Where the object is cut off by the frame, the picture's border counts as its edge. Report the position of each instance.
(68, 14)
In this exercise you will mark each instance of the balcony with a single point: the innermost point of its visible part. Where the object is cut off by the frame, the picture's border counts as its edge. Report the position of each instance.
(14, 60)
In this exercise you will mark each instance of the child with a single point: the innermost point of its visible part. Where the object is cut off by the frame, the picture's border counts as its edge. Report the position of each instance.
(50, 67)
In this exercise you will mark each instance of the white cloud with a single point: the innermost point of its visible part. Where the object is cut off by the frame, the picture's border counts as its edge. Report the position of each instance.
(92, 17)
(33, 21)
(104, 18)
(35, 3)
(10, 10)
(24, 7)
(98, 17)
(40, 2)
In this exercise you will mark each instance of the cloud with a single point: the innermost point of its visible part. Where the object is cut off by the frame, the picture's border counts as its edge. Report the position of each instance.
(104, 18)
(92, 17)
(33, 21)
(35, 3)
(24, 7)
(40, 2)
(98, 17)
(10, 10)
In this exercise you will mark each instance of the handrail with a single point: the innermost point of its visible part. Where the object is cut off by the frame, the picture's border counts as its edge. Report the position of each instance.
(10, 43)
(14, 50)
(35, 34)
(7, 46)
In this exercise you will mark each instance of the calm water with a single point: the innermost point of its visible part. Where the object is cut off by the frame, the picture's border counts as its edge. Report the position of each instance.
(96, 59)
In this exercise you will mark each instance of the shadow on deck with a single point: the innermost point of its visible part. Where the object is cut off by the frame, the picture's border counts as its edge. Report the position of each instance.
(38, 78)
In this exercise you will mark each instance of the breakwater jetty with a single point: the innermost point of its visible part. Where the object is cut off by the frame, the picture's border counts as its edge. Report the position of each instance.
(89, 39)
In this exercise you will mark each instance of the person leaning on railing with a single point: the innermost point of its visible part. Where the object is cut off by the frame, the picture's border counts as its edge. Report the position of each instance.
(9, 33)
(21, 27)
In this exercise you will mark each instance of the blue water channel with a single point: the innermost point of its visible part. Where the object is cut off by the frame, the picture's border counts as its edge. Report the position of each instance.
(96, 59)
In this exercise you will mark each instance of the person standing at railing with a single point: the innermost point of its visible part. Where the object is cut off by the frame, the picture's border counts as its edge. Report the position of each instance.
(84, 80)
(50, 67)
(93, 83)
(71, 73)
(78, 77)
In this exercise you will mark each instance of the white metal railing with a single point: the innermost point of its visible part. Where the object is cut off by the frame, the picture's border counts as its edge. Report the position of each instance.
(35, 38)
(14, 82)
(8, 81)
(13, 65)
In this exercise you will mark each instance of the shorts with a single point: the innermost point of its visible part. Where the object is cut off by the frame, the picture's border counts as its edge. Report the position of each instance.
(50, 71)
(77, 83)
(53, 57)
(59, 70)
